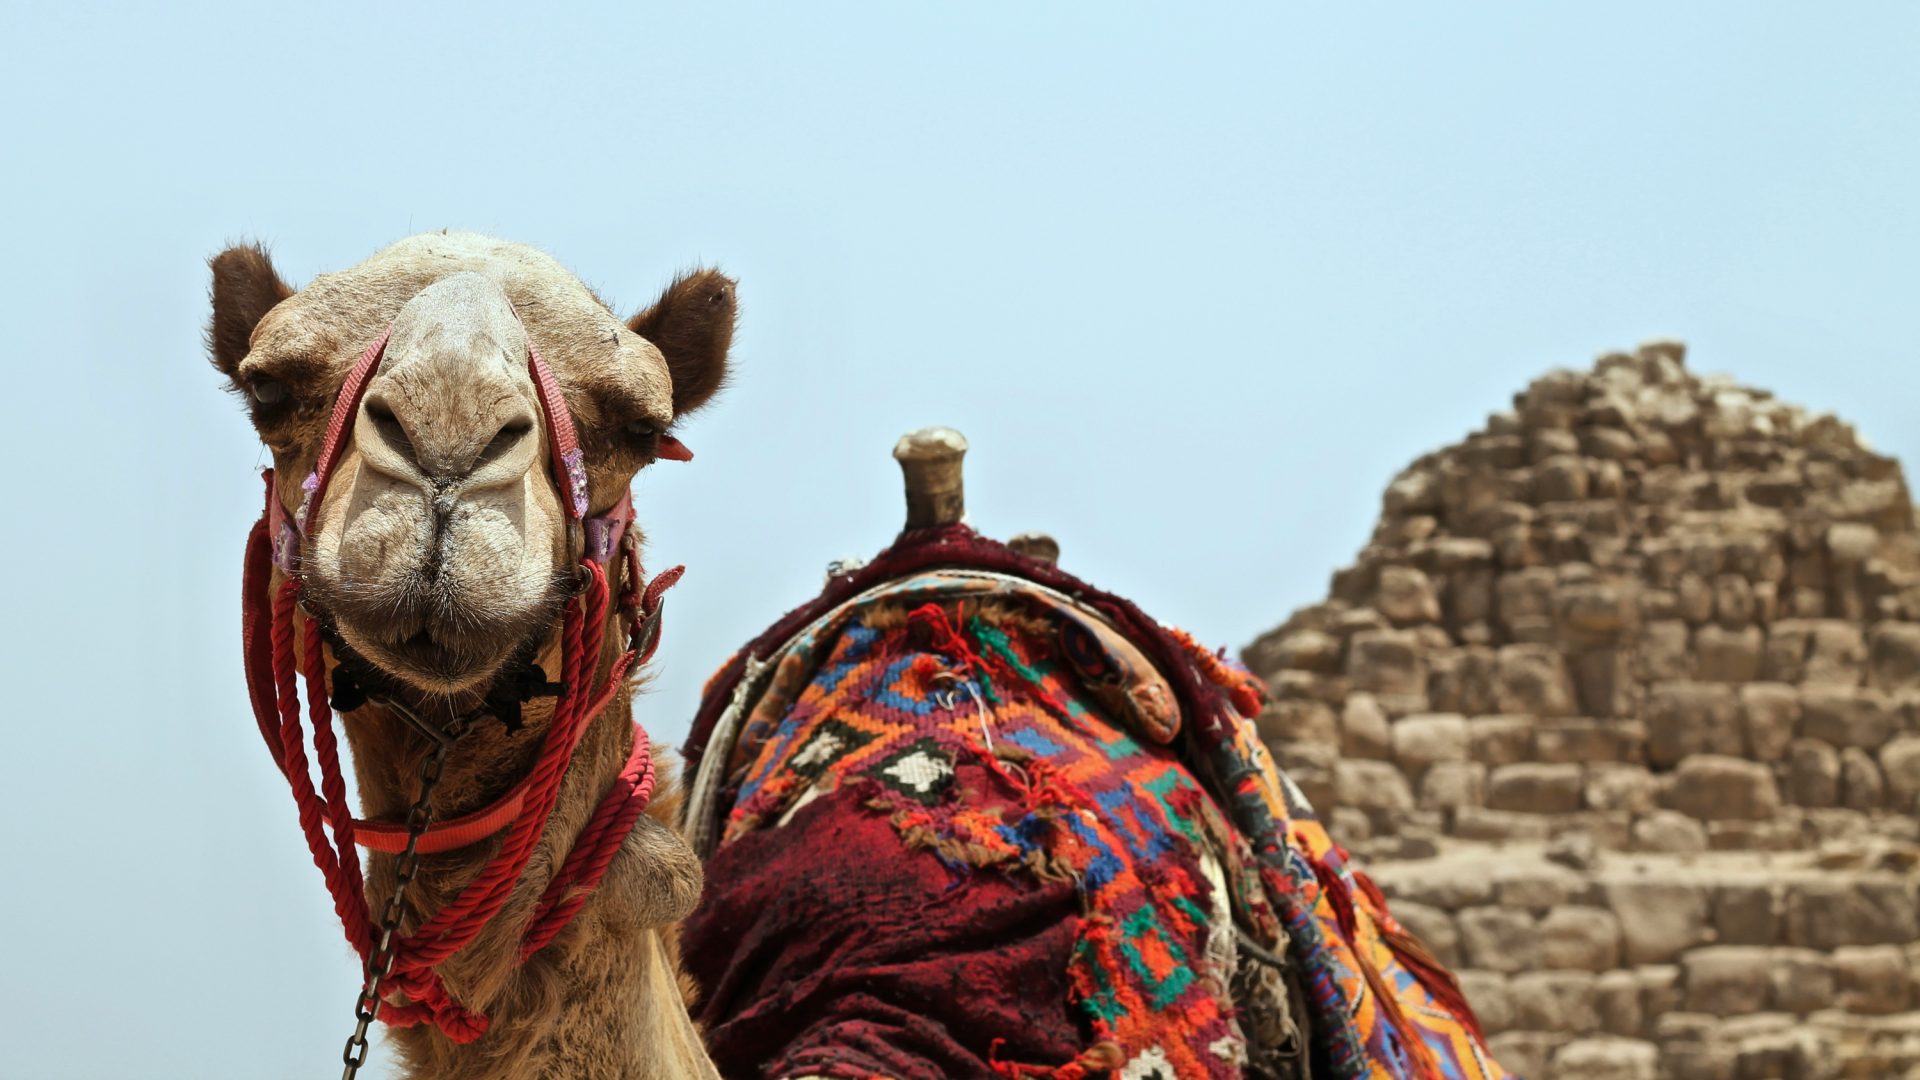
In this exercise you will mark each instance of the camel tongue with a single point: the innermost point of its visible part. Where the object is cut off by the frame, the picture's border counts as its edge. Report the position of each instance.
(672, 449)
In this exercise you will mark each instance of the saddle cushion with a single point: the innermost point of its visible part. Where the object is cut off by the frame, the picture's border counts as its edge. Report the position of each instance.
(962, 826)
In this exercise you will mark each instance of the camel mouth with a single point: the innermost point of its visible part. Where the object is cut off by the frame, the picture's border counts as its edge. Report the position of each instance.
(423, 653)
(426, 662)
(442, 652)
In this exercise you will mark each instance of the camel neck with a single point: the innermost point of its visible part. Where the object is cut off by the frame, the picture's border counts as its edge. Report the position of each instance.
(604, 997)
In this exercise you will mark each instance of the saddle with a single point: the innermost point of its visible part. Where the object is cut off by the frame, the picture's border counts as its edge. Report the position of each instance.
(965, 814)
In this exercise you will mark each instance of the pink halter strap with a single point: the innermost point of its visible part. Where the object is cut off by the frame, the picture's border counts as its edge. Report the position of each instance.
(603, 533)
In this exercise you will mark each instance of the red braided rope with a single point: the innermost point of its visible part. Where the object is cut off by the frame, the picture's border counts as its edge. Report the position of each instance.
(594, 850)
(325, 810)
(349, 904)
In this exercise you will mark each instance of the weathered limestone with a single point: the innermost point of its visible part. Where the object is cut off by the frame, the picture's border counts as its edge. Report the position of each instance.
(1621, 704)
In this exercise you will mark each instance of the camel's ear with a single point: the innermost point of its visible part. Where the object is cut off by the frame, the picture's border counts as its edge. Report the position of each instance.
(692, 326)
(245, 288)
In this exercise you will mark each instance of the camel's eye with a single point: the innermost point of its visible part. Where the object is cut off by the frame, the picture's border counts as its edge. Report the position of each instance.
(266, 391)
(641, 429)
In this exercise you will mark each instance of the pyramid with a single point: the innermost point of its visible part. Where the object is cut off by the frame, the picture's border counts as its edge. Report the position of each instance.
(1621, 704)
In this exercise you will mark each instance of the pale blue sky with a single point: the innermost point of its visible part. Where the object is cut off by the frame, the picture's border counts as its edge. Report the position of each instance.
(1196, 283)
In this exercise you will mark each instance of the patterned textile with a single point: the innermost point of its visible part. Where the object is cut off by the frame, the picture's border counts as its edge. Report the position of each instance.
(961, 826)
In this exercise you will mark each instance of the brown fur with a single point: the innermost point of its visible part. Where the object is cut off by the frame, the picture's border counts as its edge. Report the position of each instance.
(692, 323)
(245, 287)
(606, 998)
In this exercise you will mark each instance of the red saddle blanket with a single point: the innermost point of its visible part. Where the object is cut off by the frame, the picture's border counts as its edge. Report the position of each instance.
(966, 816)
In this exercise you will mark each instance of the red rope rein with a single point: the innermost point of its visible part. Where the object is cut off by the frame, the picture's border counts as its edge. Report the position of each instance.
(325, 811)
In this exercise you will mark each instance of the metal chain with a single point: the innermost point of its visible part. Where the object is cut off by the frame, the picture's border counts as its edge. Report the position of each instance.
(419, 817)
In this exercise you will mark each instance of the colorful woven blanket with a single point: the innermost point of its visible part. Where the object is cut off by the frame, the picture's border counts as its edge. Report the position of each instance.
(965, 816)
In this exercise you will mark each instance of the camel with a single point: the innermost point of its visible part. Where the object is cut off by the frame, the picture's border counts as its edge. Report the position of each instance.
(436, 565)
(964, 814)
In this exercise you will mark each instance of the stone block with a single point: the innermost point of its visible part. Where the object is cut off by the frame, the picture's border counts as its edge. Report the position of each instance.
(1668, 832)
(1374, 786)
(1847, 716)
(1900, 767)
(1659, 919)
(1364, 728)
(1802, 981)
(1595, 611)
(1554, 1001)
(1310, 767)
(1580, 938)
(1850, 543)
(1296, 721)
(1420, 741)
(1665, 650)
(1387, 662)
(1696, 598)
(1746, 913)
(1308, 650)
(1893, 656)
(1579, 838)
(1835, 911)
(1627, 788)
(1499, 939)
(1861, 786)
(1416, 491)
(1535, 788)
(1578, 739)
(1660, 989)
(1289, 684)
(1769, 715)
(1691, 718)
(1803, 603)
(1347, 825)
(1733, 601)
(1354, 620)
(1603, 682)
(1813, 773)
(1608, 443)
(1532, 679)
(1727, 656)
(1727, 980)
(1616, 1000)
(1821, 651)
(1462, 680)
(1500, 826)
(1537, 885)
(1770, 834)
(1450, 785)
(1486, 991)
(1444, 884)
(1661, 605)
(1872, 979)
(1525, 1053)
(1783, 1053)
(1560, 478)
(1527, 593)
(1469, 595)
(1500, 740)
(1712, 787)
(1607, 1059)
(1406, 596)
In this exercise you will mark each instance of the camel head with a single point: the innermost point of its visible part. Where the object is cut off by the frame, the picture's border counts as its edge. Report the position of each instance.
(441, 549)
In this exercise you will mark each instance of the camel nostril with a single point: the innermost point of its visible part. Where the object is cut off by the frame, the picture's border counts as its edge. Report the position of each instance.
(390, 428)
(508, 437)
